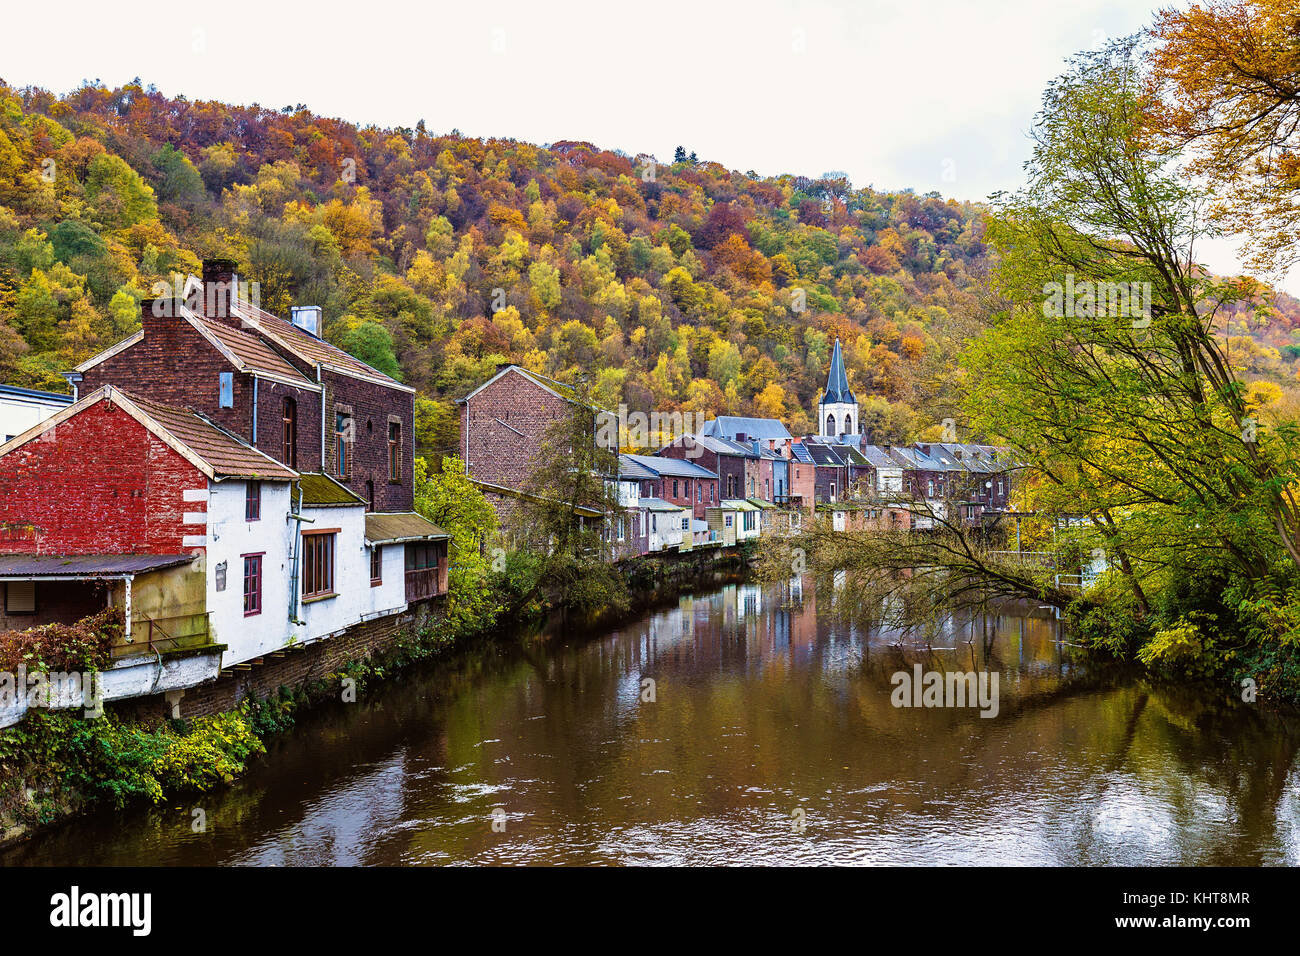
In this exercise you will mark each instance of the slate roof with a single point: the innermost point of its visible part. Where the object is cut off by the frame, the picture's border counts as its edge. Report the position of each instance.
(877, 457)
(86, 565)
(673, 467)
(823, 454)
(837, 383)
(320, 489)
(629, 468)
(729, 426)
(393, 527)
(852, 456)
(719, 446)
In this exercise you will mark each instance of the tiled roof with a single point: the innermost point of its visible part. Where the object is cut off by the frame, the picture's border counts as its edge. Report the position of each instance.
(86, 565)
(308, 347)
(321, 489)
(251, 351)
(226, 455)
(393, 527)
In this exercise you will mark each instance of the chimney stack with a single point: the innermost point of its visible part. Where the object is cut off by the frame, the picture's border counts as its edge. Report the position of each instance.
(220, 288)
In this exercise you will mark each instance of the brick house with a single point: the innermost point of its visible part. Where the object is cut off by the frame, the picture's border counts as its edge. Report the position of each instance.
(736, 465)
(274, 383)
(677, 481)
(217, 553)
(502, 424)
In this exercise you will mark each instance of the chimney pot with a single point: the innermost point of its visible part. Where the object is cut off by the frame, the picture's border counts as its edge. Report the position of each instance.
(220, 287)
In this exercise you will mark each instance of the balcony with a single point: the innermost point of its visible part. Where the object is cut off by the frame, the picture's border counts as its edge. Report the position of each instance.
(424, 583)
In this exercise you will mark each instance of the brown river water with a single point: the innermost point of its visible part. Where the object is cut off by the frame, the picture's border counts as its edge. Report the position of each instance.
(771, 739)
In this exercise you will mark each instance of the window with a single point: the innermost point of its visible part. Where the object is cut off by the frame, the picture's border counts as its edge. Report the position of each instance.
(289, 433)
(343, 433)
(686, 524)
(20, 597)
(699, 491)
(930, 489)
(674, 487)
(252, 501)
(318, 563)
(728, 520)
(999, 486)
(688, 489)
(421, 557)
(252, 584)
(370, 496)
(376, 565)
(226, 390)
(394, 451)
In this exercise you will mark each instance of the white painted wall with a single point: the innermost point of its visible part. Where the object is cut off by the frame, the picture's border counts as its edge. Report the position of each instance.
(356, 600)
(21, 412)
(229, 537)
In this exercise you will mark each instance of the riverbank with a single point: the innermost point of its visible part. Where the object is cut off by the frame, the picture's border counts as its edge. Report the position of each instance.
(57, 765)
(548, 747)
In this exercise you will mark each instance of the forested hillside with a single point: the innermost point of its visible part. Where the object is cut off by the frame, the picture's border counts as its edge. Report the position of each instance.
(436, 257)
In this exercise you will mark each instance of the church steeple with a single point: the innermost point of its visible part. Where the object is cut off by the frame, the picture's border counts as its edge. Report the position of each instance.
(837, 412)
(837, 383)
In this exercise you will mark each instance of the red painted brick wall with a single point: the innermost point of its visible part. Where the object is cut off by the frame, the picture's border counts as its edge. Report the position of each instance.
(100, 483)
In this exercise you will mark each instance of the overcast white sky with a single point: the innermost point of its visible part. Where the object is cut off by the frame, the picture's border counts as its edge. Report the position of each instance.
(931, 94)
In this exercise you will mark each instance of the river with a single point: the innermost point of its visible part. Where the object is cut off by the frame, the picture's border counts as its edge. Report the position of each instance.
(771, 738)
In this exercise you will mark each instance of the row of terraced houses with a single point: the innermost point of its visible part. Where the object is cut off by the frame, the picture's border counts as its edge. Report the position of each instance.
(736, 479)
(243, 492)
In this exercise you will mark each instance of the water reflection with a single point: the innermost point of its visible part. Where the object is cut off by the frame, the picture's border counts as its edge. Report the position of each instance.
(771, 706)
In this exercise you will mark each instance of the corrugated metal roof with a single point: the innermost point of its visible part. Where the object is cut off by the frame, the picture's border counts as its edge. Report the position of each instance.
(321, 489)
(54, 397)
(227, 455)
(86, 565)
(391, 527)
(658, 504)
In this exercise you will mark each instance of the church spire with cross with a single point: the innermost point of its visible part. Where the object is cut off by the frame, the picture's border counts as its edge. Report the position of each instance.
(837, 412)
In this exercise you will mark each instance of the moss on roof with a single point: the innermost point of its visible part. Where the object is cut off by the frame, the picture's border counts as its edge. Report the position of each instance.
(321, 489)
